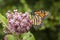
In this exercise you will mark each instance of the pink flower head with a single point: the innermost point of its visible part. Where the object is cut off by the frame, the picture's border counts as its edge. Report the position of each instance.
(19, 22)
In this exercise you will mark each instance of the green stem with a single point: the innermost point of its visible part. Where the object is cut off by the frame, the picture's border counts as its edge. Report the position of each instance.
(17, 36)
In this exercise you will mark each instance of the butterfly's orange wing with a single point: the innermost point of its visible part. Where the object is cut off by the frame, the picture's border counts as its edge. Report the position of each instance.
(42, 14)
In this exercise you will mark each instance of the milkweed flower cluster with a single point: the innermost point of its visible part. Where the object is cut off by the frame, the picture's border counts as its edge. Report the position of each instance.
(18, 22)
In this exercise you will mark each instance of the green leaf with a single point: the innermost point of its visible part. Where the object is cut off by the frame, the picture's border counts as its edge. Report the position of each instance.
(11, 37)
(28, 36)
(3, 20)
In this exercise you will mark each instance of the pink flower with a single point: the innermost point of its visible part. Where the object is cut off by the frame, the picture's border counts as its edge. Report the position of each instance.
(19, 22)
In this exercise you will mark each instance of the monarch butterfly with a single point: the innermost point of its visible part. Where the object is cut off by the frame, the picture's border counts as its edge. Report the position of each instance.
(38, 17)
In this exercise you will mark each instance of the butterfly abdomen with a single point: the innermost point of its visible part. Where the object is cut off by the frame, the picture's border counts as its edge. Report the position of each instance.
(36, 20)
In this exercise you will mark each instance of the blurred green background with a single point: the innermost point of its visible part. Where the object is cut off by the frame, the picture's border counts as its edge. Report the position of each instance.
(51, 28)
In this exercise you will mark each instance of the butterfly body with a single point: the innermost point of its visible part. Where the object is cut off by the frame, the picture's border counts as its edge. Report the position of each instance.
(38, 17)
